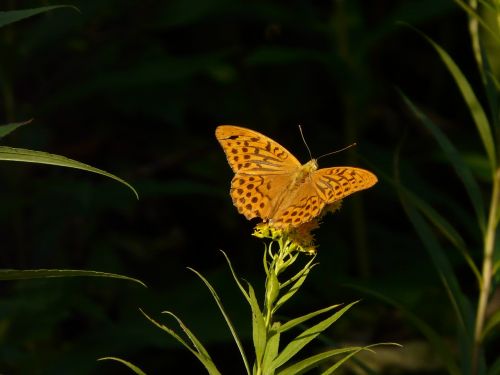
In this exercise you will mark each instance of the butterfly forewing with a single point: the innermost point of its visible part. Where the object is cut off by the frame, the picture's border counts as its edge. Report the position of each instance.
(250, 152)
(333, 184)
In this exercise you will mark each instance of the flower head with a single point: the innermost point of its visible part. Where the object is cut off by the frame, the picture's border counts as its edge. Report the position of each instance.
(300, 238)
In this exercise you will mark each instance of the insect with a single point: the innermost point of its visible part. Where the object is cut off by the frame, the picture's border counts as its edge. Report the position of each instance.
(270, 183)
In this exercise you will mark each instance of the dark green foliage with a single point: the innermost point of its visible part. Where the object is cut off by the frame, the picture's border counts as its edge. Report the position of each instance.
(137, 88)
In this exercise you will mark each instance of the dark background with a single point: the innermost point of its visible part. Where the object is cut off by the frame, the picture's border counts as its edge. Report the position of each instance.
(137, 89)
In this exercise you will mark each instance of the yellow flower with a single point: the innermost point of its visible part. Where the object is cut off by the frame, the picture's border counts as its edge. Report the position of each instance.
(301, 238)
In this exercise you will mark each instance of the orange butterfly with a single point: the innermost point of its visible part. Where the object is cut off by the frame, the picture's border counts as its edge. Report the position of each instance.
(270, 182)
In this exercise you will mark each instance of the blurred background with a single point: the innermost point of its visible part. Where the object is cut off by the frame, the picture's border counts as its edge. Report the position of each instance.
(137, 89)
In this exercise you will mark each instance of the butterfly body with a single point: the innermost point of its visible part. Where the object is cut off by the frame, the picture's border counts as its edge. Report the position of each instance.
(270, 183)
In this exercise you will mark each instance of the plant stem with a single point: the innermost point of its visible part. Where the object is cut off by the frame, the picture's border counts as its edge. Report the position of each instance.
(489, 246)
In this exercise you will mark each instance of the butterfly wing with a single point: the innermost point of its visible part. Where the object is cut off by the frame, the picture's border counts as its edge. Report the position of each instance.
(252, 153)
(263, 168)
(333, 184)
(322, 187)
(257, 196)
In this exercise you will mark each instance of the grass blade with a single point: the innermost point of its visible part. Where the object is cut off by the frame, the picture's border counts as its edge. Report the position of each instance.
(226, 318)
(315, 360)
(294, 322)
(459, 301)
(9, 128)
(307, 336)
(432, 336)
(18, 15)
(39, 157)
(131, 366)
(461, 169)
(199, 350)
(10, 274)
(475, 108)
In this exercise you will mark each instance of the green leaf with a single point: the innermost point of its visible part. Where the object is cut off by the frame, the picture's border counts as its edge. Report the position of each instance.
(235, 277)
(441, 348)
(446, 229)
(307, 336)
(259, 333)
(131, 366)
(17, 15)
(493, 321)
(442, 265)
(39, 157)
(315, 360)
(226, 318)
(474, 15)
(294, 322)
(10, 274)
(298, 280)
(199, 352)
(475, 108)
(271, 350)
(9, 128)
(461, 168)
(495, 368)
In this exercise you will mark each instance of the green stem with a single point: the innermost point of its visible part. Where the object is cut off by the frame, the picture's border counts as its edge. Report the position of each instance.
(487, 272)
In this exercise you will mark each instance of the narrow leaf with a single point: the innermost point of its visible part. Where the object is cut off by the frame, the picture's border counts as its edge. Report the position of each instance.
(226, 318)
(475, 108)
(443, 267)
(298, 280)
(10, 274)
(9, 128)
(259, 333)
(294, 322)
(17, 15)
(315, 360)
(307, 336)
(474, 15)
(235, 277)
(446, 229)
(39, 157)
(493, 322)
(440, 347)
(199, 352)
(461, 168)
(131, 366)
(495, 368)
(271, 350)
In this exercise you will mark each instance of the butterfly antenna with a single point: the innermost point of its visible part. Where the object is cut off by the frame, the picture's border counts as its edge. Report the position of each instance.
(336, 152)
(304, 139)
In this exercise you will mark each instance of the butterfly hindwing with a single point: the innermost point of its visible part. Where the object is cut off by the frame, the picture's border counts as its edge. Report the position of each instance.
(257, 196)
(250, 152)
(301, 206)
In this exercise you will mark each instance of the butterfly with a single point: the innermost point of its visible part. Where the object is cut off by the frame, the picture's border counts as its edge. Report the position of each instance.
(271, 184)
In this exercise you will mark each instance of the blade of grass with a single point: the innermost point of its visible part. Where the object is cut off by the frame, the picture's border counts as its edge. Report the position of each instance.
(302, 319)
(461, 169)
(10, 274)
(9, 128)
(447, 230)
(226, 318)
(39, 157)
(458, 300)
(432, 336)
(199, 350)
(307, 336)
(475, 108)
(18, 15)
(131, 366)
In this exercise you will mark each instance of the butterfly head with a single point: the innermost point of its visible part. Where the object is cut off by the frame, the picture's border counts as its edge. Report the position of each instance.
(310, 166)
